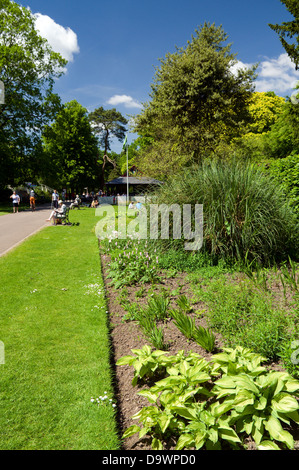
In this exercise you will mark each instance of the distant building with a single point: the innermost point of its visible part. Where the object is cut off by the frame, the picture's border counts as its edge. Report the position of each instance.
(137, 184)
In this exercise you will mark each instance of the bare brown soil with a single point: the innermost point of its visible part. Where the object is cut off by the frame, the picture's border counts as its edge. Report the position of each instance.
(126, 335)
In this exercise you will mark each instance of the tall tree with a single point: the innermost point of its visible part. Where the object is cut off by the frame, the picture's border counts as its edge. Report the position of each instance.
(71, 151)
(196, 99)
(28, 68)
(108, 124)
(290, 29)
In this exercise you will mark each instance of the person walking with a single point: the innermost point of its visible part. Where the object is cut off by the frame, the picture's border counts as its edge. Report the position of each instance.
(32, 200)
(15, 202)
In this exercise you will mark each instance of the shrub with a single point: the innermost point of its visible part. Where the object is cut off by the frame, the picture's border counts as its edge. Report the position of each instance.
(244, 315)
(245, 213)
(286, 172)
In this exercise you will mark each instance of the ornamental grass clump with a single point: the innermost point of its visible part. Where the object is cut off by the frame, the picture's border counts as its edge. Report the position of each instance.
(245, 213)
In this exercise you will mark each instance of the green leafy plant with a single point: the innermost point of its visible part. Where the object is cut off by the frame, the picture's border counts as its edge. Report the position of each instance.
(145, 362)
(261, 404)
(184, 304)
(204, 337)
(186, 324)
(132, 310)
(132, 263)
(183, 322)
(290, 275)
(245, 316)
(217, 403)
(158, 305)
(233, 361)
(152, 332)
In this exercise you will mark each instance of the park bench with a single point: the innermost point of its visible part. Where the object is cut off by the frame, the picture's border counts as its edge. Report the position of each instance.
(62, 218)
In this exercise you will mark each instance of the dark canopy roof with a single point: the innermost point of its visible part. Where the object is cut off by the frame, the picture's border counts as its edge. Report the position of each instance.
(133, 180)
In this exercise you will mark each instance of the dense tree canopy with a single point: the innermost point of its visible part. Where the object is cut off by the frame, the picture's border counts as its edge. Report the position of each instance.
(70, 150)
(108, 124)
(196, 99)
(264, 108)
(28, 68)
(290, 30)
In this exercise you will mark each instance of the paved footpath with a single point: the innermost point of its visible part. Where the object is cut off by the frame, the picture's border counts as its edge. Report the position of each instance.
(14, 228)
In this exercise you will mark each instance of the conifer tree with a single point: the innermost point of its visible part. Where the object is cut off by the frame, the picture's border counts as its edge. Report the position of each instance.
(290, 29)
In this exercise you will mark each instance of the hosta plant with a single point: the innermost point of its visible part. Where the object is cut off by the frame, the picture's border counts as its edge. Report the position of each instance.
(238, 360)
(208, 404)
(260, 405)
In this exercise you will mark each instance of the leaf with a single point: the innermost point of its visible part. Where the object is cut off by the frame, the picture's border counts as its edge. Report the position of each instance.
(169, 382)
(247, 383)
(213, 435)
(260, 404)
(243, 399)
(158, 353)
(221, 357)
(273, 427)
(184, 411)
(287, 438)
(284, 403)
(218, 409)
(294, 415)
(164, 421)
(143, 432)
(131, 431)
(292, 386)
(185, 440)
(125, 360)
(157, 444)
(246, 425)
(267, 445)
(275, 430)
(226, 382)
(228, 434)
(152, 397)
(258, 430)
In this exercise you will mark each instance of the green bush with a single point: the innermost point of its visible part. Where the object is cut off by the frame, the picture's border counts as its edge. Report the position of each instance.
(244, 315)
(245, 213)
(286, 172)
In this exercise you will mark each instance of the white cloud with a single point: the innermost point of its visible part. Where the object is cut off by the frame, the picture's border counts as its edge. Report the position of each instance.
(278, 74)
(126, 100)
(239, 65)
(62, 40)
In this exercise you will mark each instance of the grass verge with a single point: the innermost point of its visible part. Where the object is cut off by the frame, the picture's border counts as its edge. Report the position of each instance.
(53, 324)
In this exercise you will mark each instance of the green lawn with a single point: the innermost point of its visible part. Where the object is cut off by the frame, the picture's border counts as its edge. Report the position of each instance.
(53, 324)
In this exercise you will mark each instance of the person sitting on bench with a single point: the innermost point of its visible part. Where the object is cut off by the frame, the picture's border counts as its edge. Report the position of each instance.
(57, 213)
(76, 203)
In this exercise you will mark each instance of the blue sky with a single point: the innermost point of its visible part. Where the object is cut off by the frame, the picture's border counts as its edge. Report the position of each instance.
(113, 46)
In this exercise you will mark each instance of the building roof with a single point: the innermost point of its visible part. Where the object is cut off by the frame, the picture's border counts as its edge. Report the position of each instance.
(134, 180)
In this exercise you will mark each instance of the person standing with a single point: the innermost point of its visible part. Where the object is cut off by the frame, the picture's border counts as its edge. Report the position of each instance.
(15, 202)
(55, 198)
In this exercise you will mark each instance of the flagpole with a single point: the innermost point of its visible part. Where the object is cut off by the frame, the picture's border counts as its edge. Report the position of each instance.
(127, 174)
(126, 148)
